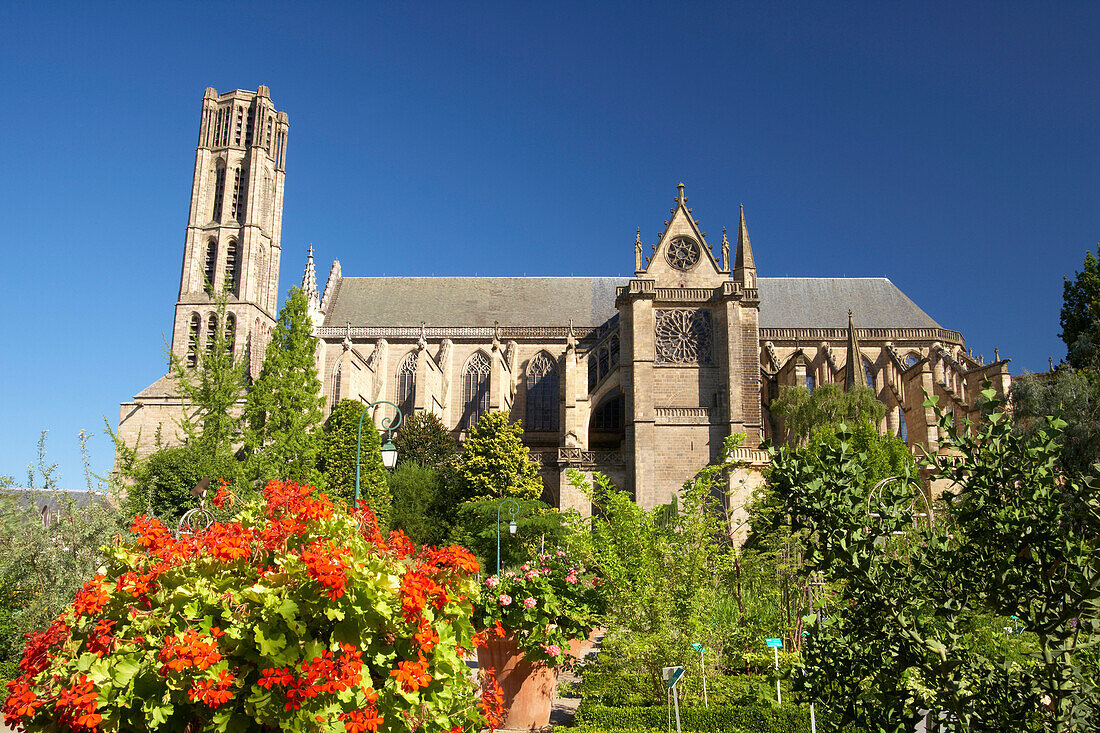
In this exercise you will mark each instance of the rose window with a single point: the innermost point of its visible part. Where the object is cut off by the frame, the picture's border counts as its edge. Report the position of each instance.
(683, 254)
(683, 336)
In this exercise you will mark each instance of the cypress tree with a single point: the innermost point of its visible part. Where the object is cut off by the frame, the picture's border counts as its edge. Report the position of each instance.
(283, 410)
(336, 460)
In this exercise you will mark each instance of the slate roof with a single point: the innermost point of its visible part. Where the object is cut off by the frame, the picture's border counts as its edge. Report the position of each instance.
(785, 302)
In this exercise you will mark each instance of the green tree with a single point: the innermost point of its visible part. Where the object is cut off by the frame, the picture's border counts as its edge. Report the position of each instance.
(496, 463)
(212, 389)
(416, 490)
(336, 459)
(1080, 317)
(1074, 396)
(538, 526)
(283, 409)
(161, 484)
(910, 626)
(422, 438)
(804, 412)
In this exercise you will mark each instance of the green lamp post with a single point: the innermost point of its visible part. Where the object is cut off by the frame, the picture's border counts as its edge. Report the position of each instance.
(389, 450)
(511, 524)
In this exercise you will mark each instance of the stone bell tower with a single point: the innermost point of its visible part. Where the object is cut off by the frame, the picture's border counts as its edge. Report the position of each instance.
(234, 226)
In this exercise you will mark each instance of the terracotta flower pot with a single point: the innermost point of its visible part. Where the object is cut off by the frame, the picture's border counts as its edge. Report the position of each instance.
(528, 687)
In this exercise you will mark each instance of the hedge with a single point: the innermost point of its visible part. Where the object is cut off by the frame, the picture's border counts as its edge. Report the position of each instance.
(625, 689)
(715, 719)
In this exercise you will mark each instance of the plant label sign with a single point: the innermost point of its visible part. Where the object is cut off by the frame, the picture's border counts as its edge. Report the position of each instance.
(777, 643)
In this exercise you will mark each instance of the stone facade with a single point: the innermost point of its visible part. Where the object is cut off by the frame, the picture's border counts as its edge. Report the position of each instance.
(641, 378)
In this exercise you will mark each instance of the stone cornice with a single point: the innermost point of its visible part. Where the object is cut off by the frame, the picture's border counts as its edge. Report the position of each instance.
(870, 334)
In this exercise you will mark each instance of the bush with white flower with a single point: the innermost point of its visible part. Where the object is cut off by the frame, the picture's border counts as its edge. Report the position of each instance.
(544, 605)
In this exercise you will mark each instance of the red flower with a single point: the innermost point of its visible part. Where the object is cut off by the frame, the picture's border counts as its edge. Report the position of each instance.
(190, 650)
(324, 562)
(213, 692)
(36, 654)
(91, 598)
(228, 541)
(492, 701)
(223, 495)
(280, 676)
(100, 641)
(412, 675)
(358, 721)
(77, 705)
(22, 703)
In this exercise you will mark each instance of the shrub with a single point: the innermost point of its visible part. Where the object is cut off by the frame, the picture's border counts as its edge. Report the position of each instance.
(496, 463)
(716, 718)
(296, 616)
(336, 459)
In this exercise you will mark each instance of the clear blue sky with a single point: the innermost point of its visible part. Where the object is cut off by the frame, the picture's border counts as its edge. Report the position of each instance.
(951, 147)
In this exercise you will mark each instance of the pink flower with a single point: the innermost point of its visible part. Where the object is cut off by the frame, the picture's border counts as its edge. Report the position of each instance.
(525, 566)
(571, 578)
(531, 575)
(529, 602)
(492, 581)
(561, 553)
(509, 574)
(552, 650)
(505, 599)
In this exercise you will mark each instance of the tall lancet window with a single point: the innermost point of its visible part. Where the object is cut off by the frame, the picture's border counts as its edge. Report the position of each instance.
(406, 384)
(542, 394)
(211, 332)
(238, 196)
(475, 389)
(336, 379)
(210, 266)
(869, 373)
(193, 340)
(219, 190)
(230, 281)
(230, 333)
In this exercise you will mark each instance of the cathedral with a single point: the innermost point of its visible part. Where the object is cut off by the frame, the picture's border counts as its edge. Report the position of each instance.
(640, 375)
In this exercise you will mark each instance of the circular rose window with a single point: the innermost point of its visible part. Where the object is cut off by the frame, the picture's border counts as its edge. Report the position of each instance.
(683, 254)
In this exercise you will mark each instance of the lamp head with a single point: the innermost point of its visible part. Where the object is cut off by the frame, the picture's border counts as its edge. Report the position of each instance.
(389, 454)
(512, 527)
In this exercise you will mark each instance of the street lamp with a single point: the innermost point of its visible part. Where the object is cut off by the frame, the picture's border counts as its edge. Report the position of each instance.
(511, 524)
(389, 450)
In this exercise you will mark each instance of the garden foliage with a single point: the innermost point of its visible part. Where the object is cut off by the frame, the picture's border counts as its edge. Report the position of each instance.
(910, 626)
(544, 605)
(282, 413)
(295, 616)
(424, 439)
(337, 457)
(496, 463)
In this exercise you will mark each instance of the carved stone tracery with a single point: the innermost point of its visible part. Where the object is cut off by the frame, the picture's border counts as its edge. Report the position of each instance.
(684, 336)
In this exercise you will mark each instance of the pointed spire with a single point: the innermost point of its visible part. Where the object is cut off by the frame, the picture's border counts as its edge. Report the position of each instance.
(309, 278)
(854, 375)
(681, 199)
(744, 267)
(744, 249)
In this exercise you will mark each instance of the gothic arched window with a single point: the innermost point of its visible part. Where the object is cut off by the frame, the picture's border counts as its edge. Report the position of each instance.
(911, 358)
(230, 333)
(238, 196)
(869, 373)
(193, 340)
(210, 265)
(406, 384)
(336, 385)
(903, 431)
(230, 280)
(810, 381)
(542, 394)
(211, 332)
(475, 389)
(219, 190)
(608, 417)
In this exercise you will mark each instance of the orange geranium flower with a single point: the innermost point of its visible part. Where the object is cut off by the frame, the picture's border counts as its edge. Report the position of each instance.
(91, 598)
(213, 692)
(325, 564)
(412, 675)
